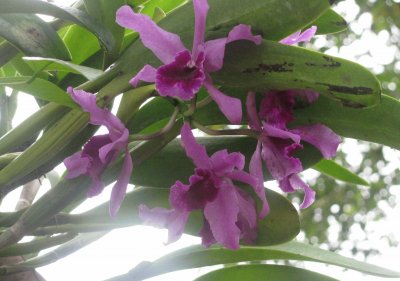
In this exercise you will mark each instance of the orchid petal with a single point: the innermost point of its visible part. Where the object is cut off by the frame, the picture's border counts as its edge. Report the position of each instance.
(252, 115)
(298, 36)
(222, 215)
(119, 189)
(109, 151)
(96, 186)
(255, 169)
(207, 238)
(200, 15)
(215, 49)
(309, 194)
(177, 195)
(162, 43)
(247, 210)
(147, 74)
(230, 107)
(275, 132)
(194, 151)
(321, 137)
(278, 160)
(98, 116)
(223, 162)
(76, 165)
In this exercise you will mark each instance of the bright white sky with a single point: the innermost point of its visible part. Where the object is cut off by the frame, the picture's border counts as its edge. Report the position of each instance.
(121, 250)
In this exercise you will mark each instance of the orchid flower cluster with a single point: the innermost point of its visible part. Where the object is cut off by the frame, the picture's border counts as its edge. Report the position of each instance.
(230, 213)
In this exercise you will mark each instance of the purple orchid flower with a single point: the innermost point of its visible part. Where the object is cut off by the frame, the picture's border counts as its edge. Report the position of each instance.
(183, 72)
(277, 143)
(101, 150)
(299, 36)
(229, 212)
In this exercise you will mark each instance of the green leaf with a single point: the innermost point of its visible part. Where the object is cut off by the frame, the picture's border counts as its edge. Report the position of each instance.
(32, 36)
(336, 171)
(197, 256)
(104, 12)
(263, 272)
(66, 13)
(63, 66)
(378, 124)
(39, 88)
(80, 49)
(330, 22)
(272, 65)
(167, 6)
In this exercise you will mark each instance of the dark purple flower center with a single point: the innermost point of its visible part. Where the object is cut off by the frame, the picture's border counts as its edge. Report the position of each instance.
(202, 189)
(181, 78)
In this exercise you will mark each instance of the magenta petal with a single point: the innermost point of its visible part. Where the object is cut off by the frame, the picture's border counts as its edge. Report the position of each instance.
(200, 15)
(76, 165)
(207, 238)
(252, 114)
(275, 132)
(98, 116)
(178, 194)
(147, 74)
(223, 162)
(321, 137)
(278, 160)
(215, 49)
(176, 225)
(165, 45)
(247, 210)
(222, 215)
(230, 107)
(255, 169)
(194, 151)
(119, 189)
(299, 36)
(96, 187)
(108, 151)
(157, 217)
(309, 194)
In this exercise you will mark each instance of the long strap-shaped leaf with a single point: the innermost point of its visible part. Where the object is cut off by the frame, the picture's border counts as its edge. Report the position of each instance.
(279, 67)
(67, 13)
(263, 272)
(197, 256)
(32, 35)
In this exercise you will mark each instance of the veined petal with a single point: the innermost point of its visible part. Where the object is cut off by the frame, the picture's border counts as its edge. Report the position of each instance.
(222, 215)
(194, 151)
(309, 194)
(230, 107)
(109, 151)
(275, 132)
(223, 162)
(252, 114)
(215, 49)
(200, 16)
(98, 116)
(76, 165)
(299, 36)
(276, 156)
(119, 189)
(207, 238)
(165, 45)
(147, 74)
(321, 137)
(255, 169)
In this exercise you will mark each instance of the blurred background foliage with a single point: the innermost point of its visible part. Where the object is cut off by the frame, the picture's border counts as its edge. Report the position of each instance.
(343, 216)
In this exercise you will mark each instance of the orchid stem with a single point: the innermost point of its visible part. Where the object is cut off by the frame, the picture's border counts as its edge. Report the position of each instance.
(230, 132)
(165, 129)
